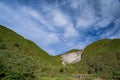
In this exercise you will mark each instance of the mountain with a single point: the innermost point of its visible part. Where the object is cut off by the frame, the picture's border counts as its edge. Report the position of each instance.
(21, 59)
(103, 58)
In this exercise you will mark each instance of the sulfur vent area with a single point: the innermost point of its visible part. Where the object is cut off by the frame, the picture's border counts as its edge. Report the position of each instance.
(71, 57)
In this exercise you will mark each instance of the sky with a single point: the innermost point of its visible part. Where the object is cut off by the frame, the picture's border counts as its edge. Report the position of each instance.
(60, 25)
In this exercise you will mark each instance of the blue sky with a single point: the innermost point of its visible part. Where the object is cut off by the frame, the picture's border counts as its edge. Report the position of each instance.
(60, 25)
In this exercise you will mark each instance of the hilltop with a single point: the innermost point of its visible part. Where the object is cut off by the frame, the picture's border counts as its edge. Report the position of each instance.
(72, 50)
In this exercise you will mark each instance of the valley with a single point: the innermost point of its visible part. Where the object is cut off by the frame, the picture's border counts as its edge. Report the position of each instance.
(21, 59)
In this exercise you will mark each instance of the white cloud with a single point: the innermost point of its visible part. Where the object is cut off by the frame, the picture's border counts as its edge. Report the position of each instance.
(63, 21)
(24, 25)
(52, 51)
(51, 26)
(108, 11)
(70, 32)
(109, 7)
(79, 45)
(74, 4)
(51, 38)
(113, 33)
(117, 22)
(59, 19)
(104, 22)
(87, 15)
(115, 36)
(84, 23)
(40, 17)
(35, 14)
(56, 17)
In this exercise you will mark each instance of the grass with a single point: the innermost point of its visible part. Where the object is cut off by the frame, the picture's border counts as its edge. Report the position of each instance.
(103, 58)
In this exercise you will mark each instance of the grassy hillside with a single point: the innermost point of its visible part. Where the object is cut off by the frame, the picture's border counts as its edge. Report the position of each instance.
(21, 58)
(103, 58)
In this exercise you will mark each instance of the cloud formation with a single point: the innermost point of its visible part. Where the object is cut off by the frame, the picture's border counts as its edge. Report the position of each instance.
(60, 25)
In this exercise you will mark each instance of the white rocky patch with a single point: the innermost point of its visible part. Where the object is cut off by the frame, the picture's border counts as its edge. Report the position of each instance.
(71, 57)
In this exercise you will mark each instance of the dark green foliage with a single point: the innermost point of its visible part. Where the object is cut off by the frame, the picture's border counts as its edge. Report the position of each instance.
(28, 76)
(2, 70)
(1, 66)
(0, 40)
(13, 76)
(62, 70)
(2, 44)
(103, 57)
(16, 45)
(2, 75)
(116, 75)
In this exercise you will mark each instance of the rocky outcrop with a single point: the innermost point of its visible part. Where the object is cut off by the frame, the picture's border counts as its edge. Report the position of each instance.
(71, 57)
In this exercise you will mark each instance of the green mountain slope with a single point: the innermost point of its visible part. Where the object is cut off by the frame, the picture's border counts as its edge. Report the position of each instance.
(21, 58)
(103, 58)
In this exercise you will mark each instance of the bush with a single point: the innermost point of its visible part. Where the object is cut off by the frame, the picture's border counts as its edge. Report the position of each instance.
(16, 45)
(2, 70)
(29, 76)
(14, 76)
(116, 75)
(3, 46)
(1, 40)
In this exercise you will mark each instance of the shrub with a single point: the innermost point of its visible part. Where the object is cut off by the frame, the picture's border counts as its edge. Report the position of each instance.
(14, 76)
(16, 45)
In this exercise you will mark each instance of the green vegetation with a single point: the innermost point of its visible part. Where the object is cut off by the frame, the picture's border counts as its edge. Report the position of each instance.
(21, 59)
(103, 58)
(72, 50)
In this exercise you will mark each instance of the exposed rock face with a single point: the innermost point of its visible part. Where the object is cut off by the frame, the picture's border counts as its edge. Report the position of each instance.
(71, 57)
